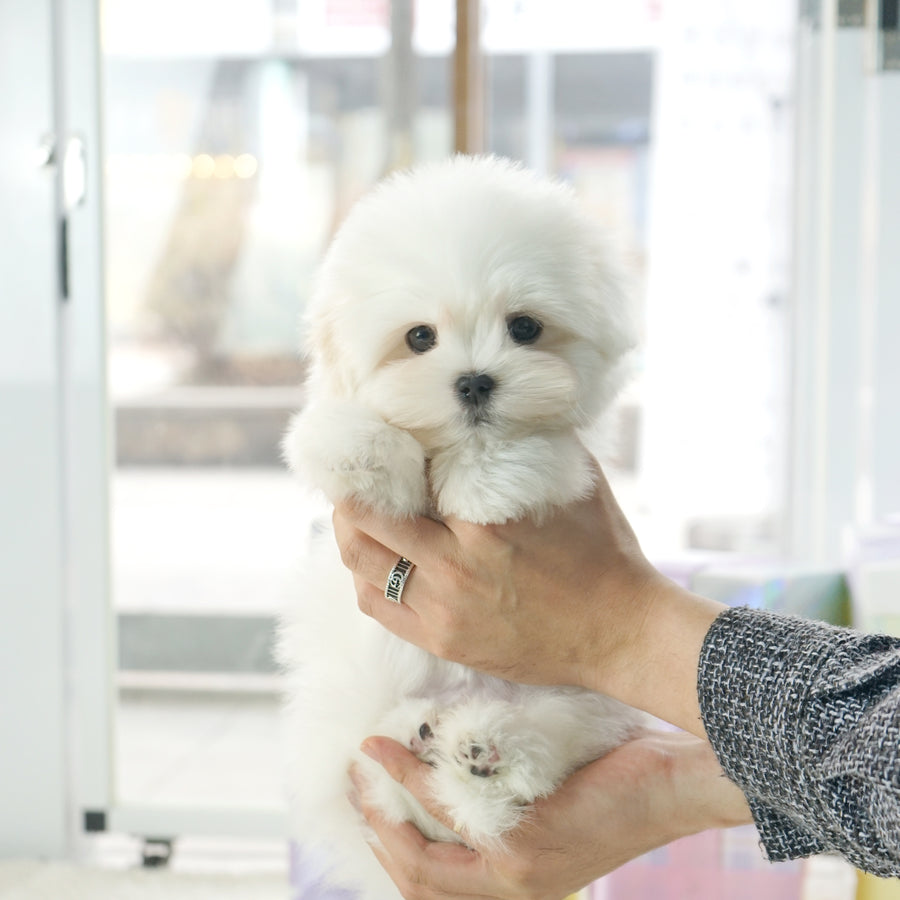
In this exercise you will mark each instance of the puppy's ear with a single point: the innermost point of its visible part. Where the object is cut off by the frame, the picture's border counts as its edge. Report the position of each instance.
(329, 357)
(620, 319)
(323, 344)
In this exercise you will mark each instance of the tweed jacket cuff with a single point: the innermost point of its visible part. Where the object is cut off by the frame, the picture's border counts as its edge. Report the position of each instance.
(805, 719)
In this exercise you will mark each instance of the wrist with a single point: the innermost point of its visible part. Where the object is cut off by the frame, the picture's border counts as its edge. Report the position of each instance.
(683, 788)
(656, 661)
(703, 789)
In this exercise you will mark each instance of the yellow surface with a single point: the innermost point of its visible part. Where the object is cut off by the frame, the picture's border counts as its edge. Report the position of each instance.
(871, 888)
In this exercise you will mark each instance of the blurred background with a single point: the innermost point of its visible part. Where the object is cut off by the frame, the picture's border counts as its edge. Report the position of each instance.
(234, 136)
(234, 144)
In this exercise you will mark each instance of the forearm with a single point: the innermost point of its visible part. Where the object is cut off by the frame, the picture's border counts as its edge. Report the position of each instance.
(655, 668)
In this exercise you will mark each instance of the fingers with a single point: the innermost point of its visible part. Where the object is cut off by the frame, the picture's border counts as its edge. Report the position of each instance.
(366, 557)
(409, 771)
(419, 539)
(424, 869)
(371, 561)
(420, 868)
(400, 618)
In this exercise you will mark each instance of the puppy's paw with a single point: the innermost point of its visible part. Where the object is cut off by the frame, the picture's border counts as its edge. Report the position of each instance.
(490, 768)
(348, 452)
(481, 758)
(414, 722)
(476, 781)
(501, 480)
(496, 764)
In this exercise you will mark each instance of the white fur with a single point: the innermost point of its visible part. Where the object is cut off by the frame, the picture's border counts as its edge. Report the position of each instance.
(462, 247)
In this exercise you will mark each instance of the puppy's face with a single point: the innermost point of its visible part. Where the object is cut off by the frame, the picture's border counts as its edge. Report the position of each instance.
(469, 299)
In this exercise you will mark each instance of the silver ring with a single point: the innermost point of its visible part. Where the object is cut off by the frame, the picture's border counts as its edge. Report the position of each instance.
(397, 579)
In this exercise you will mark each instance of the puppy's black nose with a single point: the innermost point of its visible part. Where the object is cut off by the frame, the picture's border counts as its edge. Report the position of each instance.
(474, 390)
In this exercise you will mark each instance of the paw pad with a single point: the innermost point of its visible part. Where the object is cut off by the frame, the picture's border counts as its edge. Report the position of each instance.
(481, 761)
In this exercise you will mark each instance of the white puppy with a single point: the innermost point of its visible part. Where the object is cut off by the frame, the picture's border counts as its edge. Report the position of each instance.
(468, 323)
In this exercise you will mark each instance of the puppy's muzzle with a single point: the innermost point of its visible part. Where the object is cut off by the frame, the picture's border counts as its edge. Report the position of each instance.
(474, 391)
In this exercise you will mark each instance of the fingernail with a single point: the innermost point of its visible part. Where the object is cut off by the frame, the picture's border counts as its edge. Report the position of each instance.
(370, 751)
(355, 802)
(356, 777)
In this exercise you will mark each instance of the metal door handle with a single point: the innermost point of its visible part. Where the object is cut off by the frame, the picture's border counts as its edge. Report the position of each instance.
(74, 174)
(45, 154)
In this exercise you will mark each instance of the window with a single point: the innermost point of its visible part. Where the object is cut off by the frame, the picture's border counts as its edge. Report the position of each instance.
(234, 146)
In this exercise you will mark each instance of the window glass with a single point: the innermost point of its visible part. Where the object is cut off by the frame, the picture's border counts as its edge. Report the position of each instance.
(236, 138)
(673, 122)
(238, 135)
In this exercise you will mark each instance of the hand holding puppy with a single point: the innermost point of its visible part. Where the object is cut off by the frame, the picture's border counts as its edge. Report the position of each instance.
(572, 601)
(639, 796)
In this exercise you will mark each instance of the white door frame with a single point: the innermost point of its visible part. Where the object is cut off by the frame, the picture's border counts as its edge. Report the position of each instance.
(882, 461)
(845, 441)
(34, 776)
(87, 427)
(57, 658)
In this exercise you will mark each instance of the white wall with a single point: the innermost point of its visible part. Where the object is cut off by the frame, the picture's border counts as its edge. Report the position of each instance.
(32, 722)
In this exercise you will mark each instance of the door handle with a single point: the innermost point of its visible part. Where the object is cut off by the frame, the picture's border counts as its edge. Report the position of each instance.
(45, 152)
(74, 174)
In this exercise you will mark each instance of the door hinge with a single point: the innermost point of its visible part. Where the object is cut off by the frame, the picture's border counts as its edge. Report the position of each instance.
(889, 34)
(851, 13)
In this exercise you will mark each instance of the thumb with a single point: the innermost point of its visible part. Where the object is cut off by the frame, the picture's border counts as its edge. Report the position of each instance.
(409, 771)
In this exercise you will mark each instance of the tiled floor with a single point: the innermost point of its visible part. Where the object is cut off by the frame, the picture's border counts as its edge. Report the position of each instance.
(194, 541)
(26, 880)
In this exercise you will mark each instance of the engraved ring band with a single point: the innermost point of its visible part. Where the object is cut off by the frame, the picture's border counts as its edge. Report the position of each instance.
(397, 579)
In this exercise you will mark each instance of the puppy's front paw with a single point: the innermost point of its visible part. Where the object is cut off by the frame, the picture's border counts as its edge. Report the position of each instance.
(348, 452)
(499, 480)
(415, 723)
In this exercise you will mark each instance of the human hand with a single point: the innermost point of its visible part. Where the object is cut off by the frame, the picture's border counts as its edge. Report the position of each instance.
(640, 796)
(517, 600)
(570, 601)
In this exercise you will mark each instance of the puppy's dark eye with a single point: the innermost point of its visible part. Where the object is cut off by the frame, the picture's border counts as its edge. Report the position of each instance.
(524, 329)
(421, 338)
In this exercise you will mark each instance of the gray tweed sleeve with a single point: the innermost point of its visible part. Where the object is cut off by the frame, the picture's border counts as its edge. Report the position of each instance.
(805, 719)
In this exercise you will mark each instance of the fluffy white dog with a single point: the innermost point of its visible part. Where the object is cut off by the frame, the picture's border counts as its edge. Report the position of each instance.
(468, 324)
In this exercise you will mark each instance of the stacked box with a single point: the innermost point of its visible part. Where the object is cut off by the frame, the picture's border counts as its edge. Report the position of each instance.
(682, 569)
(874, 573)
(813, 593)
(308, 880)
(707, 866)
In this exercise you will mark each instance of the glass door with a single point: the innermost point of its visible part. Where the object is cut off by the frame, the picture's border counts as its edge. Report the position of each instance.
(235, 141)
(234, 145)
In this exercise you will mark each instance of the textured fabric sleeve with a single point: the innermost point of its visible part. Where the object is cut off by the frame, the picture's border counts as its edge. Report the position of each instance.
(805, 719)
